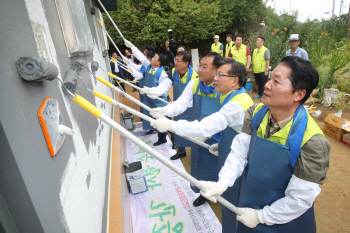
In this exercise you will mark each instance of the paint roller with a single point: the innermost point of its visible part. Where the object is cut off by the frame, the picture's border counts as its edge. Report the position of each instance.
(35, 69)
(70, 80)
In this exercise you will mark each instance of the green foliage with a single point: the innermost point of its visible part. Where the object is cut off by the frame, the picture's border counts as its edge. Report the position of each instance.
(324, 80)
(342, 79)
(147, 22)
(241, 15)
(339, 101)
(336, 27)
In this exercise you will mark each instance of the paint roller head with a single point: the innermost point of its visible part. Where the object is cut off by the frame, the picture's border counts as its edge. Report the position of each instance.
(78, 65)
(70, 80)
(36, 69)
(94, 66)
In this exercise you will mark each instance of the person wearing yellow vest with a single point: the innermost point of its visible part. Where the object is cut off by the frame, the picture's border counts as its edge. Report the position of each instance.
(240, 52)
(229, 82)
(261, 63)
(217, 46)
(282, 153)
(229, 44)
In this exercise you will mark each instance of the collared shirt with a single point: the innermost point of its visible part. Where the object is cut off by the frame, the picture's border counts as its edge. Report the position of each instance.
(299, 53)
(273, 127)
(313, 161)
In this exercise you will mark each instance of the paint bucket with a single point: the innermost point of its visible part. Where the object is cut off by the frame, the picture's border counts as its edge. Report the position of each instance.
(249, 87)
(129, 121)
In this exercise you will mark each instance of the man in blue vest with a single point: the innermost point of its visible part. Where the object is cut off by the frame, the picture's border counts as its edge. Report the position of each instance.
(282, 155)
(181, 75)
(156, 83)
(201, 96)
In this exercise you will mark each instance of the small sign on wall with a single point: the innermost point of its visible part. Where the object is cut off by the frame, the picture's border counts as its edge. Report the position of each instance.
(195, 59)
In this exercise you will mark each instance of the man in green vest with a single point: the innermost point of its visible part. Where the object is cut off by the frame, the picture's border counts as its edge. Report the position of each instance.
(217, 46)
(229, 44)
(261, 63)
(240, 52)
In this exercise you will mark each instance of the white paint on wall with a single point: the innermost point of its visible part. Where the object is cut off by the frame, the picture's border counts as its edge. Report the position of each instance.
(82, 206)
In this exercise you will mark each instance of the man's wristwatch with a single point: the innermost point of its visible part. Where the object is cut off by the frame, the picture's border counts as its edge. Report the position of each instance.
(267, 70)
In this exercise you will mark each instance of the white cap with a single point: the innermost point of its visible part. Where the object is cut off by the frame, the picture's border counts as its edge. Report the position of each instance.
(294, 37)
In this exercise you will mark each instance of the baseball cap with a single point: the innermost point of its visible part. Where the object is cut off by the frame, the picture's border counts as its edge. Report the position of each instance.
(216, 37)
(294, 37)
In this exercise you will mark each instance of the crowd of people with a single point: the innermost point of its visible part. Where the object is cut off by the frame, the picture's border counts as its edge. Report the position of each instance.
(268, 158)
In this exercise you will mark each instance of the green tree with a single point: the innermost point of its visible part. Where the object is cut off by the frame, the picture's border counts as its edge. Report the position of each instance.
(147, 22)
(239, 16)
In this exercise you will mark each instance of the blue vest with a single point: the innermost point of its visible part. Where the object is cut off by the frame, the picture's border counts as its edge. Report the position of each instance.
(268, 173)
(204, 165)
(152, 80)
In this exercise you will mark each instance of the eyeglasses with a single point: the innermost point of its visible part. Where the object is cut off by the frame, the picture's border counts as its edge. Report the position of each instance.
(220, 75)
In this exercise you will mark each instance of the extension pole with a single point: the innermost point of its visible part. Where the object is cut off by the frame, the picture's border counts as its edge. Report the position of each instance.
(147, 118)
(116, 47)
(134, 86)
(110, 18)
(99, 114)
(141, 115)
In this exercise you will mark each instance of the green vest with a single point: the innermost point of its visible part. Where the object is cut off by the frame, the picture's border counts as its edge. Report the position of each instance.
(259, 62)
(183, 79)
(243, 99)
(240, 55)
(228, 47)
(281, 136)
(194, 89)
(153, 72)
(216, 48)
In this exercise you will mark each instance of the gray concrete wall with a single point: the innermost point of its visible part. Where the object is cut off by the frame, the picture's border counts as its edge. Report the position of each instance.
(65, 193)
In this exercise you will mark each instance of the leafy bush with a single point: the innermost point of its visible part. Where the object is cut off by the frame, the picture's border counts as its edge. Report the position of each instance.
(339, 101)
(342, 79)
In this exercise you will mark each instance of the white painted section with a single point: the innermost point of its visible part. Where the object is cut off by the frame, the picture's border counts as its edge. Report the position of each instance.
(195, 59)
(82, 206)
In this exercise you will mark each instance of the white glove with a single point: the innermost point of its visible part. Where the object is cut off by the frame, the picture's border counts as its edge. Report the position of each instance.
(134, 81)
(153, 95)
(130, 68)
(214, 149)
(126, 61)
(162, 124)
(158, 112)
(146, 89)
(250, 217)
(202, 139)
(215, 189)
(128, 44)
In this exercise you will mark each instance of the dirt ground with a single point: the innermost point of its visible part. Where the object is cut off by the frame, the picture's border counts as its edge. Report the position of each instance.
(332, 206)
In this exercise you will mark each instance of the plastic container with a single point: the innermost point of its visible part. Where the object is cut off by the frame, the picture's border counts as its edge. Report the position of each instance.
(129, 121)
(249, 87)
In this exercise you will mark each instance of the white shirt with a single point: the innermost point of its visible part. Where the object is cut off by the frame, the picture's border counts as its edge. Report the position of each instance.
(182, 103)
(164, 81)
(136, 67)
(230, 115)
(299, 194)
(116, 69)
